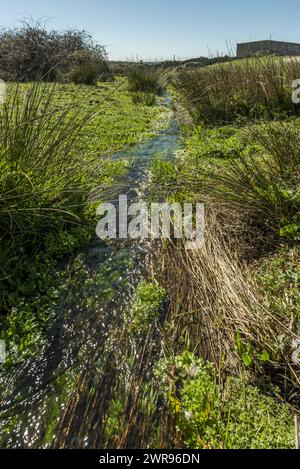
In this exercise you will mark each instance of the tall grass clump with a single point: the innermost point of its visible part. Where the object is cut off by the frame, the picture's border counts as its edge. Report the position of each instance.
(219, 312)
(145, 82)
(253, 88)
(89, 74)
(264, 186)
(45, 180)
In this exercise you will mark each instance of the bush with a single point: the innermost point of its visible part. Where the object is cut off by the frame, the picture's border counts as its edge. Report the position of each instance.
(31, 52)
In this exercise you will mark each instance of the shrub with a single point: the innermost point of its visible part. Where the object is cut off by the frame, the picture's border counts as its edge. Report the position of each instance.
(31, 52)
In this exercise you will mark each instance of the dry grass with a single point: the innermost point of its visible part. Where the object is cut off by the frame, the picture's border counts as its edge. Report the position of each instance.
(214, 300)
(256, 87)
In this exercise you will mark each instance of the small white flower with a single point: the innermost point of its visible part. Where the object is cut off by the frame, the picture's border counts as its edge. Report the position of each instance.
(188, 415)
(193, 371)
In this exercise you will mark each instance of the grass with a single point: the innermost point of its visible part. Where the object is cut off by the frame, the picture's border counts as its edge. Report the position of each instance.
(145, 83)
(248, 179)
(252, 88)
(145, 79)
(264, 184)
(234, 303)
(251, 172)
(44, 183)
(90, 74)
(55, 147)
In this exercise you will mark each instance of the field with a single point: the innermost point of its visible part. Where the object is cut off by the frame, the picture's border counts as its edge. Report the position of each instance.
(118, 345)
(55, 161)
(235, 303)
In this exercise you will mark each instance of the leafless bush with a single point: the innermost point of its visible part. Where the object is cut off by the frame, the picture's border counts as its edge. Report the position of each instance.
(30, 51)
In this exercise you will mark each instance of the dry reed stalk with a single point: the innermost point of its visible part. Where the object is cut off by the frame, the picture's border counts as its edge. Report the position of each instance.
(213, 300)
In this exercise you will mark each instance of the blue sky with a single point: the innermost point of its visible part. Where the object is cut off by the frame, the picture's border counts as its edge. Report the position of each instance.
(161, 28)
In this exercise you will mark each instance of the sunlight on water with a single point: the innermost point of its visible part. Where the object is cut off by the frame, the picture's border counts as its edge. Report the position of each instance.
(62, 397)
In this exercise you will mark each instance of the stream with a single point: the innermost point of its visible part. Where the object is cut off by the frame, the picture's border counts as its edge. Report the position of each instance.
(91, 385)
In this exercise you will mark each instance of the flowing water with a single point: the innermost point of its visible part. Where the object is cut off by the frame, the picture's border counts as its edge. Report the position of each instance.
(90, 387)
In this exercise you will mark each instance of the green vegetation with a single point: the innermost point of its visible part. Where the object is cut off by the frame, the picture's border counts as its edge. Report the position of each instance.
(278, 276)
(147, 79)
(145, 82)
(147, 304)
(199, 354)
(256, 172)
(235, 416)
(55, 147)
(221, 142)
(236, 302)
(253, 88)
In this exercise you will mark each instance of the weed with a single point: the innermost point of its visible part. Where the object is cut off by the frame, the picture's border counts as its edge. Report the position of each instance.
(232, 415)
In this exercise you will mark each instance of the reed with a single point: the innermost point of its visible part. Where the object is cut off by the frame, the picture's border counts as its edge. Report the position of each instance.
(256, 87)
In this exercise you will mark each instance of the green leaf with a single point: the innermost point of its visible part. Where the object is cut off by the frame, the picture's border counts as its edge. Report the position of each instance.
(247, 359)
(265, 357)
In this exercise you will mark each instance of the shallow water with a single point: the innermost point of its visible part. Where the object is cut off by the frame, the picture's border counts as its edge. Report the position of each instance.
(90, 363)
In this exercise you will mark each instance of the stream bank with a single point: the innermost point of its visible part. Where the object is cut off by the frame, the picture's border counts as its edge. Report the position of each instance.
(89, 386)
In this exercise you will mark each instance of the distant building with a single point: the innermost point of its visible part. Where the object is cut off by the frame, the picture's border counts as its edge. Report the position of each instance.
(249, 49)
